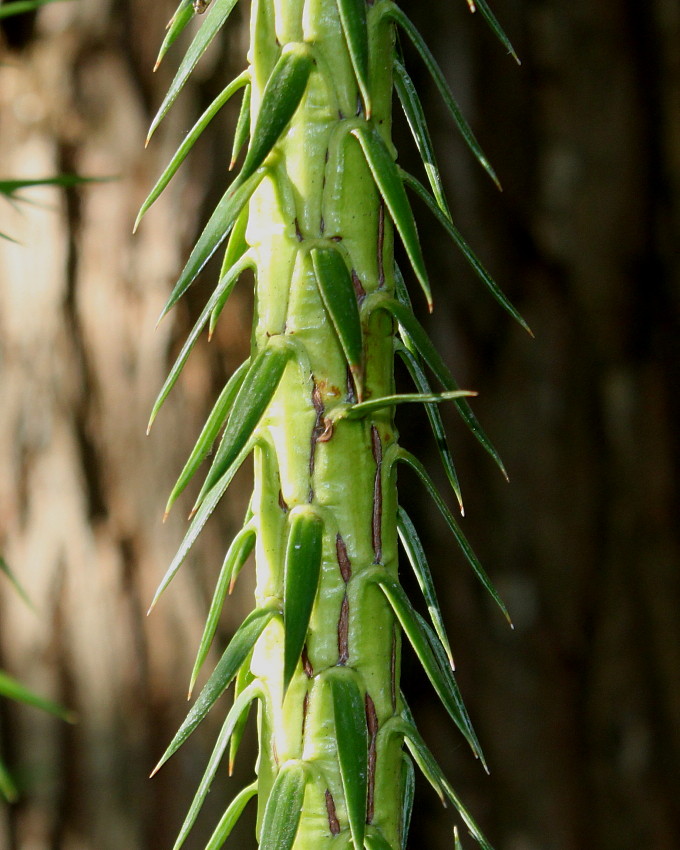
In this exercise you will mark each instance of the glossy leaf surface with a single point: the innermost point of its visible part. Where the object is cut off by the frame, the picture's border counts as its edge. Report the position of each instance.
(282, 813)
(354, 26)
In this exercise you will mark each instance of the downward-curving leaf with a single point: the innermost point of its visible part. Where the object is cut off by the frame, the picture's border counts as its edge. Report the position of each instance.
(421, 472)
(13, 689)
(395, 13)
(257, 389)
(190, 140)
(354, 26)
(386, 175)
(419, 641)
(241, 703)
(183, 14)
(215, 232)
(280, 99)
(414, 334)
(242, 131)
(468, 253)
(217, 14)
(230, 817)
(223, 288)
(240, 645)
(408, 796)
(240, 549)
(491, 20)
(282, 812)
(351, 734)
(301, 580)
(413, 109)
(418, 560)
(337, 292)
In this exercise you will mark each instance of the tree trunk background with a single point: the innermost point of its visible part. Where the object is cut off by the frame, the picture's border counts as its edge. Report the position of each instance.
(578, 707)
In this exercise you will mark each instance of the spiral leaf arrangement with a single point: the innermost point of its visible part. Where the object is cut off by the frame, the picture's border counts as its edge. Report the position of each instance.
(313, 212)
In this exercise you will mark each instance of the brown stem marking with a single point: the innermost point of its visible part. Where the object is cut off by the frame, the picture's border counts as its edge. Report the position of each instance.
(307, 664)
(343, 559)
(282, 503)
(372, 724)
(317, 431)
(333, 822)
(343, 632)
(359, 290)
(377, 495)
(305, 709)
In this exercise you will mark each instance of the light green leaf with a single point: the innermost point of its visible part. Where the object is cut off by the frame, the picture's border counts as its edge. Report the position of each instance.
(242, 131)
(357, 411)
(236, 248)
(414, 333)
(396, 14)
(240, 645)
(280, 99)
(375, 840)
(282, 812)
(337, 292)
(14, 581)
(456, 839)
(183, 14)
(418, 560)
(224, 287)
(240, 549)
(387, 179)
(20, 7)
(410, 102)
(301, 580)
(244, 678)
(354, 26)
(468, 253)
(216, 419)
(407, 799)
(190, 140)
(7, 787)
(491, 20)
(418, 639)
(241, 704)
(217, 14)
(421, 472)
(13, 689)
(351, 734)
(215, 232)
(257, 390)
(230, 817)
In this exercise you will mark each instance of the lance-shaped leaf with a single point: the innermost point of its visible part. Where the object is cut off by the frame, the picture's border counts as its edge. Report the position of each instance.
(468, 253)
(257, 390)
(230, 818)
(408, 797)
(240, 645)
(282, 812)
(456, 839)
(7, 787)
(244, 678)
(416, 556)
(237, 246)
(217, 14)
(354, 26)
(241, 703)
(421, 472)
(349, 713)
(207, 506)
(20, 7)
(280, 100)
(414, 333)
(215, 232)
(413, 109)
(496, 28)
(190, 140)
(241, 547)
(242, 131)
(387, 179)
(208, 435)
(418, 639)
(301, 581)
(223, 288)
(337, 292)
(357, 411)
(375, 840)
(13, 689)
(183, 14)
(392, 11)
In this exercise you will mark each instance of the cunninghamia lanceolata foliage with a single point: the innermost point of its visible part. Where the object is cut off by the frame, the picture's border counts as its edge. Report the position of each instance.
(313, 212)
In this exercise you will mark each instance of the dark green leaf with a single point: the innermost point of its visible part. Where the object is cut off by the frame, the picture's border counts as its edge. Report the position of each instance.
(395, 13)
(354, 26)
(183, 14)
(352, 742)
(416, 556)
(12, 689)
(490, 18)
(241, 703)
(280, 99)
(230, 817)
(283, 809)
(357, 411)
(20, 7)
(216, 16)
(7, 787)
(240, 645)
(242, 131)
(387, 179)
(301, 580)
(468, 253)
(190, 140)
(337, 292)
(408, 796)
(462, 541)
(9, 188)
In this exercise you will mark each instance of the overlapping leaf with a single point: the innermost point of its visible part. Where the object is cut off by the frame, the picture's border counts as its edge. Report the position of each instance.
(242, 131)
(408, 796)
(244, 678)
(354, 26)
(282, 812)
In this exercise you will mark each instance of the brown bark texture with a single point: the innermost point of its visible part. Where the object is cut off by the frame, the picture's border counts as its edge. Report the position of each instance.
(578, 708)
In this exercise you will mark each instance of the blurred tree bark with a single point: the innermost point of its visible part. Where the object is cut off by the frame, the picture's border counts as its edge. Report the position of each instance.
(578, 707)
